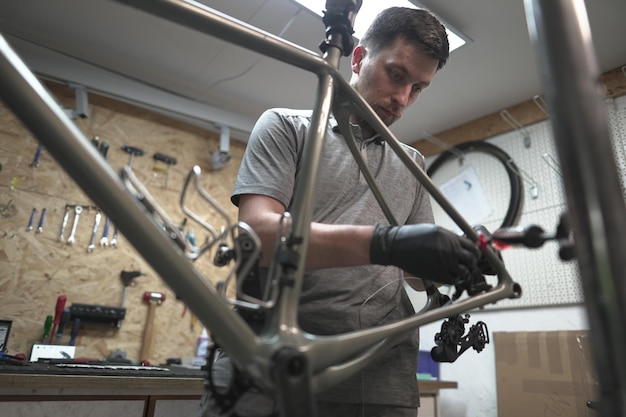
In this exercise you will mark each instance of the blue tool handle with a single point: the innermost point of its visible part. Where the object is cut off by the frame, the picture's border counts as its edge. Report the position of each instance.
(65, 318)
(37, 156)
(75, 328)
(31, 220)
(41, 220)
(105, 232)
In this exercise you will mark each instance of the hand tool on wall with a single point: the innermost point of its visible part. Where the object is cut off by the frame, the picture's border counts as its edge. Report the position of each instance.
(37, 156)
(66, 217)
(104, 240)
(58, 312)
(114, 239)
(127, 278)
(153, 299)
(65, 318)
(104, 148)
(13, 184)
(97, 314)
(41, 220)
(31, 220)
(75, 328)
(133, 152)
(47, 326)
(94, 231)
(168, 160)
(77, 210)
(191, 238)
(12, 360)
(5, 331)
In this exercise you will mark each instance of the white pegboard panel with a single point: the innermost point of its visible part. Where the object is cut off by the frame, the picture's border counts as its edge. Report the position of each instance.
(544, 278)
(616, 111)
(538, 164)
(493, 181)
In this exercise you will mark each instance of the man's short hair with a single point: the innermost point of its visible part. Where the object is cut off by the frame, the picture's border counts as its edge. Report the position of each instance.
(417, 26)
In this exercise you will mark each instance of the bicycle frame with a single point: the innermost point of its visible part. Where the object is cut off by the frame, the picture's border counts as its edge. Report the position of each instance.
(570, 75)
(285, 361)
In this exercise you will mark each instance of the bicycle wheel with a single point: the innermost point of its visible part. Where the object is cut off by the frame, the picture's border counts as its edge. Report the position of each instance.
(482, 183)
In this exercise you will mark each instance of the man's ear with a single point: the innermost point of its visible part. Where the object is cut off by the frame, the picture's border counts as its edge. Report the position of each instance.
(358, 54)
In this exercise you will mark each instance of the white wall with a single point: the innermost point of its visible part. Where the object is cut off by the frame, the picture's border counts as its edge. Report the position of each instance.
(475, 372)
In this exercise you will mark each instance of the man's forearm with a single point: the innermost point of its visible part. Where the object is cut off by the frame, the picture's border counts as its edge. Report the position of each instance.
(330, 246)
(338, 246)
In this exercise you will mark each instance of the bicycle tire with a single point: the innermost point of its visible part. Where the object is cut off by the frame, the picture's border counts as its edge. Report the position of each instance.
(515, 181)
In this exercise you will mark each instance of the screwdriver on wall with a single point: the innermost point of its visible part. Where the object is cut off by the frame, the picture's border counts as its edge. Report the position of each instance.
(61, 299)
(35, 162)
(74, 333)
(46, 328)
(31, 220)
(41, 220)
(65, 318)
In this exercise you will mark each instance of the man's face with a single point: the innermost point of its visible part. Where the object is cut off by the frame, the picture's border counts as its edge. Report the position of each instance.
(392, 79)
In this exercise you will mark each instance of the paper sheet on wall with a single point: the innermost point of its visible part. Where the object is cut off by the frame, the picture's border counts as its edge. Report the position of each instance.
(466, 194)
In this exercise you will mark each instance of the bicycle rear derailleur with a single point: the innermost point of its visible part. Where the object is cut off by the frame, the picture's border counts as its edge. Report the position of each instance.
(450, 340)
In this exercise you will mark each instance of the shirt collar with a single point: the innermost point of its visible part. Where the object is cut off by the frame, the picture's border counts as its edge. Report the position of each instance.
(356, 130)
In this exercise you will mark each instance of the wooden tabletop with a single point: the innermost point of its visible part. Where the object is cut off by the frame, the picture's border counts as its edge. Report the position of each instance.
(435, 385)
(38, 384)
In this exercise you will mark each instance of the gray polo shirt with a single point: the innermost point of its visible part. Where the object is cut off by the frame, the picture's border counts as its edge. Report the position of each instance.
(338, 300)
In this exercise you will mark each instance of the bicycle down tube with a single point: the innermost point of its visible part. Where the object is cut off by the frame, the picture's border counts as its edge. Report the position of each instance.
(329, 358)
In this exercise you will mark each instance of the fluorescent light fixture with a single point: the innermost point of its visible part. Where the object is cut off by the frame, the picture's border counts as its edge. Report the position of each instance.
(370, 9)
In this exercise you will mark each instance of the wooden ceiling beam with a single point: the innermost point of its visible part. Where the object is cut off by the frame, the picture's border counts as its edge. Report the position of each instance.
(526, 113)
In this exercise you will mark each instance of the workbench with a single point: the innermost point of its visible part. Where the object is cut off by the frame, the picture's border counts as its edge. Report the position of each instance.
(44, 390)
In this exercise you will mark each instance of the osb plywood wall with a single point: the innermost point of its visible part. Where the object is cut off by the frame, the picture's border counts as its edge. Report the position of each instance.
(35, 268)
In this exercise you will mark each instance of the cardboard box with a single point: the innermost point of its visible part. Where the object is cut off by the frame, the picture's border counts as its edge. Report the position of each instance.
(544, 374)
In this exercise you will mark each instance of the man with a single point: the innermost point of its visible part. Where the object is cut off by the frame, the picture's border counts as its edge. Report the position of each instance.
(347, 285)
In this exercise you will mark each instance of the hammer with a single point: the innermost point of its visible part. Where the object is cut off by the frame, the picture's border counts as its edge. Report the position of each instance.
(153, 299)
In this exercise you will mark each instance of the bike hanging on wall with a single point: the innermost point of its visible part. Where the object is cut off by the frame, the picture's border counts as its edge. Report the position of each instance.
(283, 360)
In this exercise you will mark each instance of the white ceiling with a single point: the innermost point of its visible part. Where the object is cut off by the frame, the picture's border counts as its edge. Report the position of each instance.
(123, 52)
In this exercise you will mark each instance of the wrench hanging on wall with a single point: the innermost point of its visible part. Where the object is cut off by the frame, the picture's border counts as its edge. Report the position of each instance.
(104, 240)
(77, 210)
(66, 217)
(114, 240)
(96, 223)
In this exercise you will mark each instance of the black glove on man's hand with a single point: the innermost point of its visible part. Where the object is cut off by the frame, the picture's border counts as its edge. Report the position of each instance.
(484, 265)
(424, 250)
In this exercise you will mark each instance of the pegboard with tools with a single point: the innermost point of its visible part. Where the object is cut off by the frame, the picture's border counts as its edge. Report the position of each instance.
(545, 279)
(49, 246)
